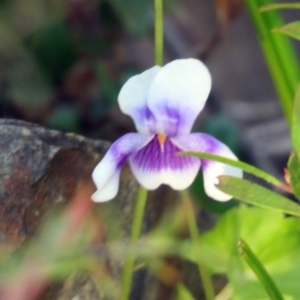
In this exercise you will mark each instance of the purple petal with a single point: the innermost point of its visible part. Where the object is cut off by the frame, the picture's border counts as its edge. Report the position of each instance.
(202, 142)
(107, 172)
(154, 165)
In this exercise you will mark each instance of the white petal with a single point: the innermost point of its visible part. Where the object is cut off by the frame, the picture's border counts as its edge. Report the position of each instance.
(153, 166)
(214, 169)
(177, 95)
(133, 99)
(109, 191)
(202, 142)
(106, 173)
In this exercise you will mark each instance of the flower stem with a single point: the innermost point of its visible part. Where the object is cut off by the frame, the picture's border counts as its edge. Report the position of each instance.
(159, 32)
(134, 235)
(204, 274)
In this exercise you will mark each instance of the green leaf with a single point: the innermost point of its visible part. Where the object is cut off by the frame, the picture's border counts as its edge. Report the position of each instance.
(259, 270)
(294, 174)
(255, 194)
(295, 130)
(183, 293)
(291, 29)
(273, 237)
(279, 6)
(239, 164)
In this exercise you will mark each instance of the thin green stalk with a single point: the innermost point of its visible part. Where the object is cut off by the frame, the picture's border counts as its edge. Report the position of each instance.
(260, 271)
(159, 32)
(142, 196)
(192, 224)
(135, 232)
(279, 54)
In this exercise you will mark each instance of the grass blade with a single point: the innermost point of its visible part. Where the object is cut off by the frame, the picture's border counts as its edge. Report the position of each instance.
(295, 132)
(261, 273)
(279, 6)
(279, 54)
(242, 165)
(254, 194)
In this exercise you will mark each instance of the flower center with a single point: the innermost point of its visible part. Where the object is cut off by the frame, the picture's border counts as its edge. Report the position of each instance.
(161, 140)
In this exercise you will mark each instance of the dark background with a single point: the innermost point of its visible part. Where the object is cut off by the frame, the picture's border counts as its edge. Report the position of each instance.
(62, 63)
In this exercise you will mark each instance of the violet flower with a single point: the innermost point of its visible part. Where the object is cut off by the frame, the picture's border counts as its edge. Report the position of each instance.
(164, 103)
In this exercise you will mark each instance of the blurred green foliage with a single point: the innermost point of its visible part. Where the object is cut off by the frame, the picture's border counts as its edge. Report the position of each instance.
(183, 293)
(273, 238)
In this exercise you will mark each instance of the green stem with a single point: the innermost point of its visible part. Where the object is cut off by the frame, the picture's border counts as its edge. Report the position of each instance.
(259, 270)
(192, 224)
(159, 32)
(135, 232)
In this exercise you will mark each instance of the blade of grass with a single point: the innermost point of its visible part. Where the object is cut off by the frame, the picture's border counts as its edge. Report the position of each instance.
(295, 134)
(292, 30)
(254, 194)
(294, 174)
(279, 54)
(279, 6)
(261, 273)
(242, 165)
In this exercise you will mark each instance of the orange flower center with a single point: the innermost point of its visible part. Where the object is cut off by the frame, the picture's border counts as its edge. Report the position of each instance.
(161, 140)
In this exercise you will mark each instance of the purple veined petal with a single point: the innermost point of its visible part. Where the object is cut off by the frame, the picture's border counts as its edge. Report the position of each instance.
(202, 142)
(177, 95)
(154, 165)
(133, 100)
(107, 172)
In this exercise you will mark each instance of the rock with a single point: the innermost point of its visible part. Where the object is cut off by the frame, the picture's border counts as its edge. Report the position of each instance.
(42, 169)
(39, 168)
